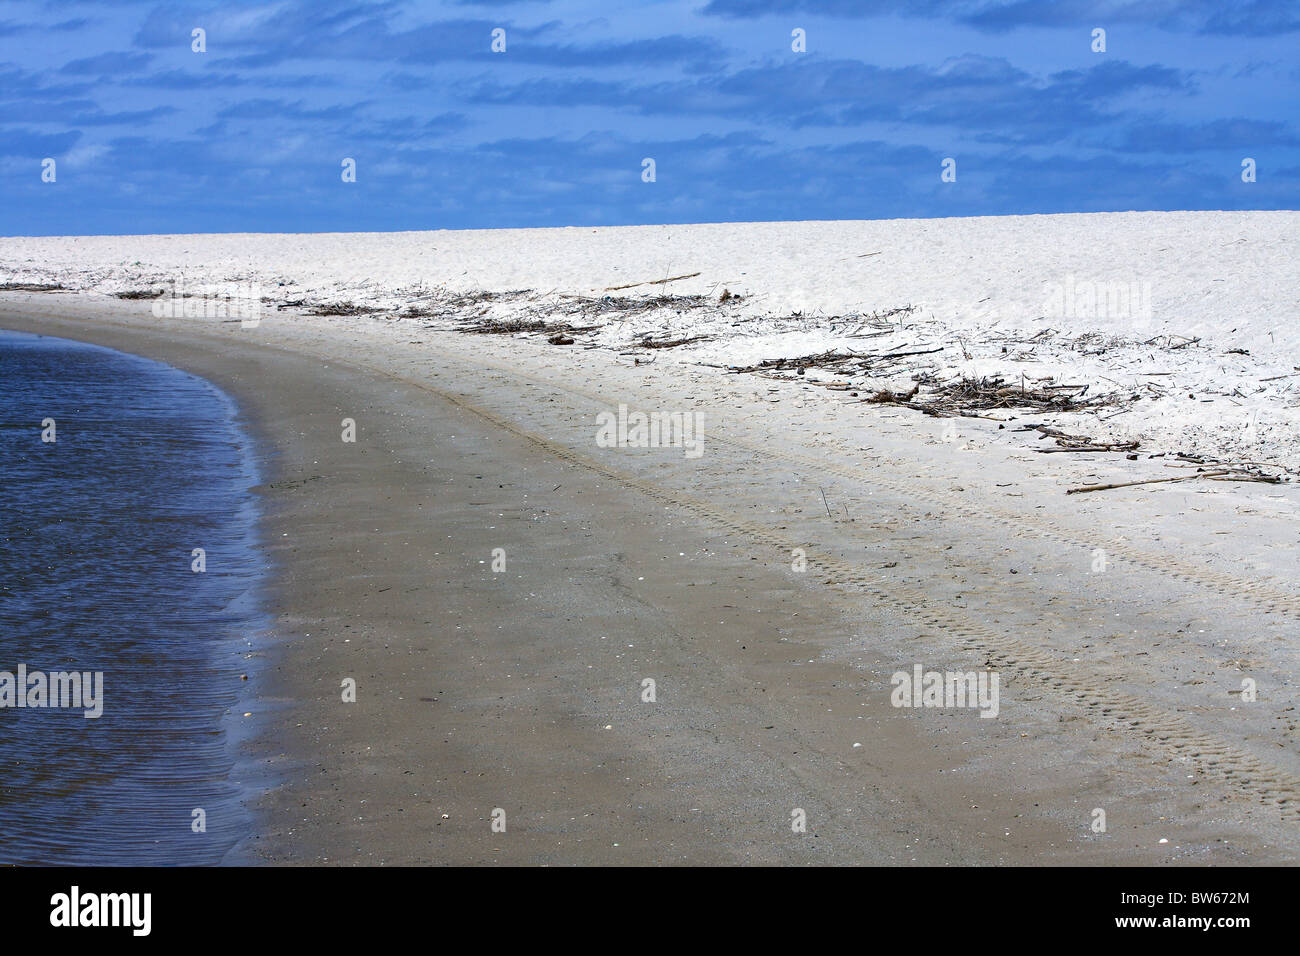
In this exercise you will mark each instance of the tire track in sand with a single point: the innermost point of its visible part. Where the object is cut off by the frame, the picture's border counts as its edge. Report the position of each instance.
(1170, 734)
(1267, 595)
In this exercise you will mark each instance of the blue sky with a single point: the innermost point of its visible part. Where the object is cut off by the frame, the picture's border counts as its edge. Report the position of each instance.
(149, 136)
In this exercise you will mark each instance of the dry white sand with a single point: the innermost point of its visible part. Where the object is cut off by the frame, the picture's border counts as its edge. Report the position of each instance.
(1191, 318)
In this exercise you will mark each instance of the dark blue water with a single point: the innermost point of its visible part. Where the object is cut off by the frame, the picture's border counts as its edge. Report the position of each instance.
(97, 530)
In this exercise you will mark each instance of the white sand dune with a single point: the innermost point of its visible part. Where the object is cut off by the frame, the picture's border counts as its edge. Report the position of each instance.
(1189, 317)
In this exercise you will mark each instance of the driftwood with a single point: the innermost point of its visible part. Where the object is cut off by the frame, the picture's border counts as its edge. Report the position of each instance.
(894, 355)
(633, 305)
(967, 397)
(934, 410)
(670, 343)
(1120, 446)
(344, 308)
(514, 326)
(887, 397)
(505, 327)
(30, 287)
(832, 359)
(1146, 481)
(633, 285)
(821, 359)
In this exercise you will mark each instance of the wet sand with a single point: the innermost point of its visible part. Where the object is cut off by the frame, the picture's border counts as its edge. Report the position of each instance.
(521, 690)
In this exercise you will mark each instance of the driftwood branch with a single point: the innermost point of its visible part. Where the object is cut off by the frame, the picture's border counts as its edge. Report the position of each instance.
(1147, 481)
(633, 285)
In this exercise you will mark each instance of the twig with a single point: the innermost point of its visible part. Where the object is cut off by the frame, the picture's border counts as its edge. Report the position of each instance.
(891, 355)
(633, 285)
(1084, 448)
(1147, 481)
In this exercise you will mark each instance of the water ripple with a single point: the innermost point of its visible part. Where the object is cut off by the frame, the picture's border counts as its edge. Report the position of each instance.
(96, 534)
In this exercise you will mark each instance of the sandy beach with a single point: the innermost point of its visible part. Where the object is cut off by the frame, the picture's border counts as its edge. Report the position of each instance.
(1175, 329)
(522, 690)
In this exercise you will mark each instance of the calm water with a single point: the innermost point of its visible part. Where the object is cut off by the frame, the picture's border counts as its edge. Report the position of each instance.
(96, 534)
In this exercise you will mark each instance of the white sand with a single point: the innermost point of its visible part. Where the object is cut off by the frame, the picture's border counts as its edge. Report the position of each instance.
(994, 288)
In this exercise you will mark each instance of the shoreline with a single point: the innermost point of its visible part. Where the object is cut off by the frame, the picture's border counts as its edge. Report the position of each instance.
(138, 484)
(504, 741)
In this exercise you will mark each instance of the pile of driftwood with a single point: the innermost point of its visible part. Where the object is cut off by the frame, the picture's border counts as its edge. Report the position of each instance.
(597, 310)
(473, 312)
(990, 393)
(969, 396)
(30, 287)
(1066, 442)
(846, 363)
(437, 305)
(511, 326)
(557, 333)
(652, 343)
(624, 305)
(343, 308)
(831, 359)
